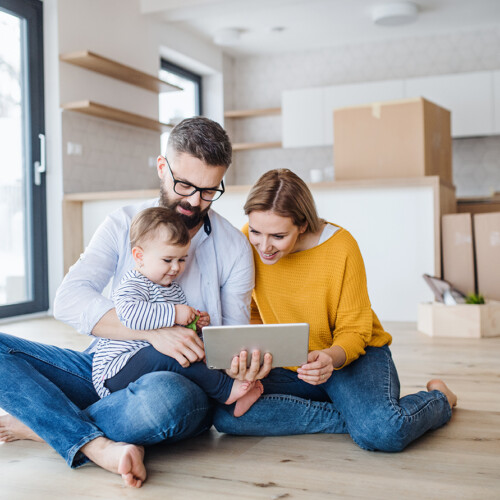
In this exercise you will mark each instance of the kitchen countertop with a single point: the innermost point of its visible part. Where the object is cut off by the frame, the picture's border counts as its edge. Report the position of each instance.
(334, 185)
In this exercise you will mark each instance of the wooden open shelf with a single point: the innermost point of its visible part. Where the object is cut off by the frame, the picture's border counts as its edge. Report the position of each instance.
(249, 113)
(94, 62)
(117, 115)
(244, 146)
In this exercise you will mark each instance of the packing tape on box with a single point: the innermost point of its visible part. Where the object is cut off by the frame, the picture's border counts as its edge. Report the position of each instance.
(377, 110)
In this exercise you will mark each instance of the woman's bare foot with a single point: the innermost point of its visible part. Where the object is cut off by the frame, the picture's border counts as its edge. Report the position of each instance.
(120, 458)
(12, 429)
(245, 402)
(438, 385)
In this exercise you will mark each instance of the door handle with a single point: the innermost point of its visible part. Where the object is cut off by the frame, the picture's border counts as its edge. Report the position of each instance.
(40, 166)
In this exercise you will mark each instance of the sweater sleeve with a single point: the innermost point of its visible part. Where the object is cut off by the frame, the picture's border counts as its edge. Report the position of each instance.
(354, 320)
(135, 310)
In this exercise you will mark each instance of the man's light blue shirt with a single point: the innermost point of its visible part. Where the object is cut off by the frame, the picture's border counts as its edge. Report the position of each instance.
(218, 278)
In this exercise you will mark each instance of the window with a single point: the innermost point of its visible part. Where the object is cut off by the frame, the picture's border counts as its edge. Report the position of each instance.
(23, 242)
(175, 106)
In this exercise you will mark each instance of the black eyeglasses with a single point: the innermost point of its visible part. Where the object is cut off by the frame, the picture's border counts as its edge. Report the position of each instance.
(183, 188)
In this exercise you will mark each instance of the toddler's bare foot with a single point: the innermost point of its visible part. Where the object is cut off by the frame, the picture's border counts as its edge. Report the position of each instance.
(12, 429)
(239, 389)
(120, 458)
(438, 385)
(245, 402)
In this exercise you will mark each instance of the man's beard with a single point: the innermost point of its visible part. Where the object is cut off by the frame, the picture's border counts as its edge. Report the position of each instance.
(191, 221)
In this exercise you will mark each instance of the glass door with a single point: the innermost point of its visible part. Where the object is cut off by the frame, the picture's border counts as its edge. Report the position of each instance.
(23, 241)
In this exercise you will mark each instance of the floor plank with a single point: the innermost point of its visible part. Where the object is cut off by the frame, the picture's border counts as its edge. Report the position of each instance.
(461, 460)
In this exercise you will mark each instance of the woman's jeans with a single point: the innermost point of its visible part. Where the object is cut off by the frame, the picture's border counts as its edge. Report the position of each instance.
(50, 390)
(366, 404)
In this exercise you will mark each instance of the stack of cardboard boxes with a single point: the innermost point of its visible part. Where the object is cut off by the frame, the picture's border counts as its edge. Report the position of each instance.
(412, 138)
(471, 263)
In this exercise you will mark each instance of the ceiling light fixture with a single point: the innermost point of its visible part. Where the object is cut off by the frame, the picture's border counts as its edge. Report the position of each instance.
(227, 36)
(394, 13)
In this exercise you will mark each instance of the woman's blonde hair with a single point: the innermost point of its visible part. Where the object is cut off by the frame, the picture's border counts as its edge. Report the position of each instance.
(286, 194)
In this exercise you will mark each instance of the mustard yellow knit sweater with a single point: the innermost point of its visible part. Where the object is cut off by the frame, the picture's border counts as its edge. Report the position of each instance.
(324, 286)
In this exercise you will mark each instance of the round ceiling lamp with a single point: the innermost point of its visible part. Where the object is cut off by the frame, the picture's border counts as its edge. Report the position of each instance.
(394, 13)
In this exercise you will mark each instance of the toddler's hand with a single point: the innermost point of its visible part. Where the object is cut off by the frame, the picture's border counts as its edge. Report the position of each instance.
(203, 320)
(184, 314)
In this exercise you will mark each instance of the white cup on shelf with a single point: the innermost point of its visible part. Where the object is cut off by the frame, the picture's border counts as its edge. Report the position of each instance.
(316, 174)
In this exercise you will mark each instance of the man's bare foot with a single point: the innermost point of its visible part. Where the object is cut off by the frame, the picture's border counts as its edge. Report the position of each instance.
(245, 402)
(12, 429)
(120, 458)
(438, 385)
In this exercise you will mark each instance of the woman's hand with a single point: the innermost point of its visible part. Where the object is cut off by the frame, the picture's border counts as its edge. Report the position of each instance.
(318, 369)
(255, 371)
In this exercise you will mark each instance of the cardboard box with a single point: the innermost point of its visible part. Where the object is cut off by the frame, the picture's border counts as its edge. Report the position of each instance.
(458, 252)
(487, 246)
(405, 138)
(464, 320)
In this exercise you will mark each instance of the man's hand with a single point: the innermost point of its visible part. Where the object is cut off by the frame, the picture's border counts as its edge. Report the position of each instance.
(178, 342)
(255, 371)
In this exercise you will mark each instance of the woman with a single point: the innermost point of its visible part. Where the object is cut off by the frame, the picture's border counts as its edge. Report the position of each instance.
(309, 270)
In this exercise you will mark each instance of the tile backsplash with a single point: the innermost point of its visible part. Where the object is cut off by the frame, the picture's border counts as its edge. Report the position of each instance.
(102, 155)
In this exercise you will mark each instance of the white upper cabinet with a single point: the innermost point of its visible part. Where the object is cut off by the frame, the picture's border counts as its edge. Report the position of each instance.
(472, 98)
(469, 97)
(302, 114)
(496, 104)
(341, 96)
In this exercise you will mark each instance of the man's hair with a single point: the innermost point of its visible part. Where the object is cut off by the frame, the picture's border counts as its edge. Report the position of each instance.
(158, 222)
(286, 194)
(202, 138)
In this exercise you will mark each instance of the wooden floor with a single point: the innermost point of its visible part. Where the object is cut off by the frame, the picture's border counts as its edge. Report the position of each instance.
(459, 461)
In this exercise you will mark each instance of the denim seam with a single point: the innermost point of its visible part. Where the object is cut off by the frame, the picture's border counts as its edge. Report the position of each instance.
(204, 409)
(300, 401)
(398, 408)
(14, 351)
(75, 448)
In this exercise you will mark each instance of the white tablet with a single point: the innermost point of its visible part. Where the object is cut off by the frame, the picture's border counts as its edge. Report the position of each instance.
(288, 343)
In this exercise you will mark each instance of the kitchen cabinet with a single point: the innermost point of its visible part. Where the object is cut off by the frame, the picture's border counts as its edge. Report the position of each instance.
(469, 97)
(303, 118)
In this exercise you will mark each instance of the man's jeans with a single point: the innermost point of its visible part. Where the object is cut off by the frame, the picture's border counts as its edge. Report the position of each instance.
(366, 404)
(50, 390)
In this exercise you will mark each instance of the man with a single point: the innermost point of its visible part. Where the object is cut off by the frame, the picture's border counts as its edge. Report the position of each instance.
(48, 391)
